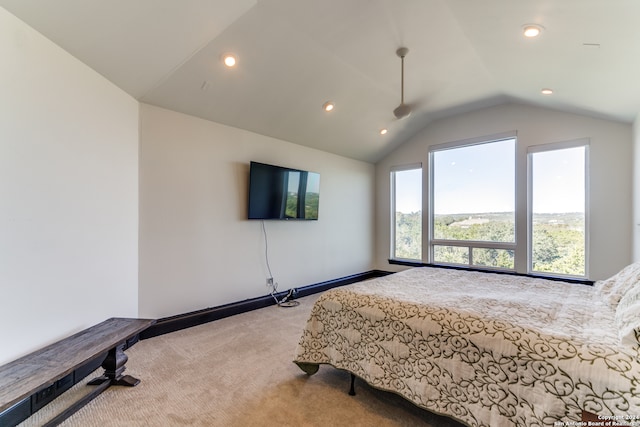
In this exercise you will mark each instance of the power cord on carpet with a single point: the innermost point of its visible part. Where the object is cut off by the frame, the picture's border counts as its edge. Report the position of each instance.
(289, 299)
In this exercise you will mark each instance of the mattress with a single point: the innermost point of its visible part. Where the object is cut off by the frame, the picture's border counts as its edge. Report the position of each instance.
(486, 349)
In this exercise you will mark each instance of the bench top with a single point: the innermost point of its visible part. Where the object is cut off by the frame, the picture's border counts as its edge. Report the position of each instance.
(23, 377)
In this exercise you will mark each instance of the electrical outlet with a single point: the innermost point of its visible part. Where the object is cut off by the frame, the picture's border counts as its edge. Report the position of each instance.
(42, 397)
(270, 282)
(47, 394)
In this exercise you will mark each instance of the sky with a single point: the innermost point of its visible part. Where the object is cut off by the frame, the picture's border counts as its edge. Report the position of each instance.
(559, 181)
(480, 178)
(475, 179)
(409, 191)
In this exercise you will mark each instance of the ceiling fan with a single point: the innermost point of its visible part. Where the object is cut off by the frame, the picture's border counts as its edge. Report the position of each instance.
(403, 110)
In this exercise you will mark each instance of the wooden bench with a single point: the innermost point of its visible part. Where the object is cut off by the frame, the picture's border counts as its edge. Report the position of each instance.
(41, 369)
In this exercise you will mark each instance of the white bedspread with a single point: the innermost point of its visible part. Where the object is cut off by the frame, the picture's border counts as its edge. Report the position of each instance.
(485, 349)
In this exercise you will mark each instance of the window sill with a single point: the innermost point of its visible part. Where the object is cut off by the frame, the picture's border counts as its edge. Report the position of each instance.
(409, 263)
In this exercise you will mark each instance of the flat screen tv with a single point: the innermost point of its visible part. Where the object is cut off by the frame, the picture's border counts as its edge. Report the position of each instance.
(276, 192)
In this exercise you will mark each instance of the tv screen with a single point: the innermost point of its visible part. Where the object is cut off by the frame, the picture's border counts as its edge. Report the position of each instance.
(276, 192)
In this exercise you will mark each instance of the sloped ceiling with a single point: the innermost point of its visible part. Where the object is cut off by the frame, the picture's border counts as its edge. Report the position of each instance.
(294, 55)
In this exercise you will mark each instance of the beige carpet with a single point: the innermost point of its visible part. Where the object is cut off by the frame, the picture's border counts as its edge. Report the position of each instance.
(237, 371)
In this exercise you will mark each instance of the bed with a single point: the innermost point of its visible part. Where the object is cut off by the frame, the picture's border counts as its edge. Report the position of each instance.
(487, 349)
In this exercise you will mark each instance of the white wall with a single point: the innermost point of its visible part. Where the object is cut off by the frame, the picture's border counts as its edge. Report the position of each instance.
(198, 250)
(68, 194)
(611, 172)
(70, 201)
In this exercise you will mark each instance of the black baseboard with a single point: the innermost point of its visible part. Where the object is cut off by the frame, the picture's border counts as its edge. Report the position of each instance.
(194, 318)
(24, 409)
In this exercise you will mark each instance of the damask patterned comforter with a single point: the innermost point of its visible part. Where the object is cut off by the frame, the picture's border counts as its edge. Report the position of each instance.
(486, 349)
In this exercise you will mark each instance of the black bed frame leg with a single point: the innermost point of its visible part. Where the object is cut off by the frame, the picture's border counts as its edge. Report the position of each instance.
(352, 389)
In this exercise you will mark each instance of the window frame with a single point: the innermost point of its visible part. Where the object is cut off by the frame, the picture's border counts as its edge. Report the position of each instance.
(470, 244)
(542, 148)
(522, 246)
(392, 216)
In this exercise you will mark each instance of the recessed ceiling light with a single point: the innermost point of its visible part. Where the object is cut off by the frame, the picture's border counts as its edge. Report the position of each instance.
(229, 59)
(546, 91)
(383, 131)
(531, 30)
(328, 106)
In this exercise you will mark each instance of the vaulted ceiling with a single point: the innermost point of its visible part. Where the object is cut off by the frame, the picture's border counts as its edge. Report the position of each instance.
(294, 55)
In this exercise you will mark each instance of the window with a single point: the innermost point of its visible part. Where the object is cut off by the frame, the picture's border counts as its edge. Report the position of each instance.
(406, 210)
(485, 212)
(472, 219)
(557, 219)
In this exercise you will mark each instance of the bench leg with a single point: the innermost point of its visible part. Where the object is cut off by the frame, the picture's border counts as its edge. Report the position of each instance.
(114, 367)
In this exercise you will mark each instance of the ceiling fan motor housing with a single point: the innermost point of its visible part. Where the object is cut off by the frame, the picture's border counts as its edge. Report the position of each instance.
(402, 52)
(402, 111)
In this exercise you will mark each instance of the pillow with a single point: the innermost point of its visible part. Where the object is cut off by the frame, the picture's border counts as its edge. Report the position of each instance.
(613, 289)
(628, 317)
